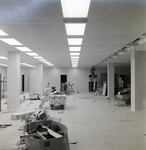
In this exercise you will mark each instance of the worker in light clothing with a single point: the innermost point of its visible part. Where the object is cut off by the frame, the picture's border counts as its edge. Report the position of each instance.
(45, 95)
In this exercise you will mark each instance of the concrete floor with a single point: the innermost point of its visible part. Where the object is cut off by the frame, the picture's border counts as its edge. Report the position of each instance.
(93, 121)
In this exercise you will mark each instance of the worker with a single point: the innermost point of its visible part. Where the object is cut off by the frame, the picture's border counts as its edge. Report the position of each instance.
(45, 95)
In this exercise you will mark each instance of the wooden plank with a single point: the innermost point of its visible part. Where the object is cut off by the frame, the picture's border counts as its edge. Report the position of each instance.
(21, 114)
(51, 132)
(40, 135)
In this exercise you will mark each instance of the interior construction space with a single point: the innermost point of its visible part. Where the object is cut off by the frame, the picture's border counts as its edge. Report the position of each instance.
(79, 63)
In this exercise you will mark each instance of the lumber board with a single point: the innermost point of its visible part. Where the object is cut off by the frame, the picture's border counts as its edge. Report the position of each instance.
(51, 132)
(16, 116)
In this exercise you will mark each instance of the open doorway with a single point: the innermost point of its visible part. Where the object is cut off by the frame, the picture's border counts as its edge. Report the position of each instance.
(25, 83)
(63, 81)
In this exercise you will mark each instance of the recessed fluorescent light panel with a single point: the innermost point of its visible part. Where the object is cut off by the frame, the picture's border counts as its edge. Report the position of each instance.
(75, 41)
(32, 54)
(75, 28)
(3, 65)
(51, 65)
(24, 49)
(48, 63)
(25, 64)
(2, 57)
(38, 57)
(44, 60)
(10, 41)
(2, 33)
(75, 8)
(74, 65)
(74, 57)
(74, 49)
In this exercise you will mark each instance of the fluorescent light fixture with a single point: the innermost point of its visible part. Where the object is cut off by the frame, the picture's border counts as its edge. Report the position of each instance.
(10, 41)
(74, 65)
(25, 64)
(75, 28)
(75, 8)
(75, 41)
(74, 54)
(75, 49)
(2, 33)
(76, 57)
(44, 60)
(48, 63)
(24, 49)
(38, 57)
(51, 65)
(2, 57)
(32, 54)
(3, 65)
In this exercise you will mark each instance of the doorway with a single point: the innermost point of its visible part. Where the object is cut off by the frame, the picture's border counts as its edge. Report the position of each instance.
(63, 81)
(25, 83)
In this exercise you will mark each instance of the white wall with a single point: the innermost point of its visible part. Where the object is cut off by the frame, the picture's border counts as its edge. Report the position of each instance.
(79, 77)
(32, 76)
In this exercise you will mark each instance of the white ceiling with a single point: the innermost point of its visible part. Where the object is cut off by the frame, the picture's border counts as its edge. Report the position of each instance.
(39, 25)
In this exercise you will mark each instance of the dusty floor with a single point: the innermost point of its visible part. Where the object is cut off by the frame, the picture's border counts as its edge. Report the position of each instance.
(93, 121)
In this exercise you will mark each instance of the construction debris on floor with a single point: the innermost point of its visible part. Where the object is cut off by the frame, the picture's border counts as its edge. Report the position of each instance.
(91, 122)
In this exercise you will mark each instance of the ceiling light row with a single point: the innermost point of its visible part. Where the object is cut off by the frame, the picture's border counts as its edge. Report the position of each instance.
(3, 65)
(25, 64)
(12, 41)
(76, 9)
(5, 58)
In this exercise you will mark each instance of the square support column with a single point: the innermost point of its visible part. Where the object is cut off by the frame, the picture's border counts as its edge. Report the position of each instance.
(13, 80)
(138, 80)
(111, 80)
(39, 78)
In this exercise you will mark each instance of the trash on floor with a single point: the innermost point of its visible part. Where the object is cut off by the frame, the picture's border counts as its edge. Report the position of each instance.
(4, 125)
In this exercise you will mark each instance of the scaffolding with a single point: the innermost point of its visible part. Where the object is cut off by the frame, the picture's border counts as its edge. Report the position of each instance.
(67, 88)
